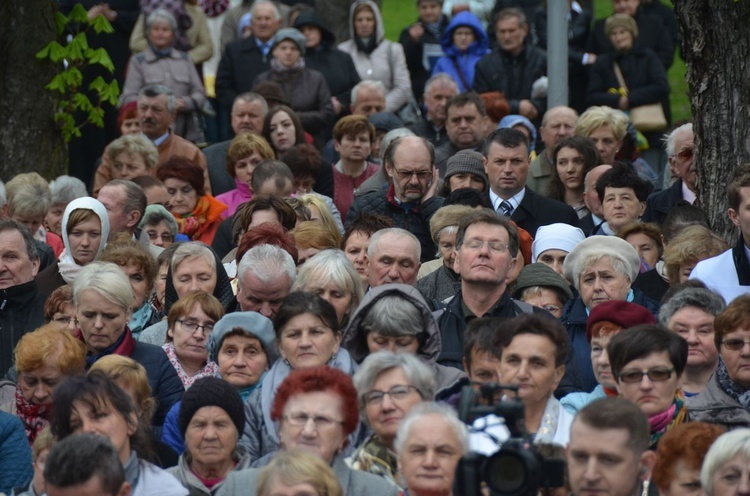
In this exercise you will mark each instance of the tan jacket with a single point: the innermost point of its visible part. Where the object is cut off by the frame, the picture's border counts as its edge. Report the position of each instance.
(198, 35)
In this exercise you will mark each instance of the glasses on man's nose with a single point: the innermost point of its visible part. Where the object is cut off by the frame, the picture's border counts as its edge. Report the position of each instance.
(421, 175)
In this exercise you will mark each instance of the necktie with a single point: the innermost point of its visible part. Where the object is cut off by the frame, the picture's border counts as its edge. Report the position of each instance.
(506, 208)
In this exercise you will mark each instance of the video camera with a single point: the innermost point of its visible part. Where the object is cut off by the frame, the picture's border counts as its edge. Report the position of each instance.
(517, 469)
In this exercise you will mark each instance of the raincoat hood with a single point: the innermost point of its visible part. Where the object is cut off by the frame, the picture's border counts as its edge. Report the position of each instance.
(480, 45)
(379, 29)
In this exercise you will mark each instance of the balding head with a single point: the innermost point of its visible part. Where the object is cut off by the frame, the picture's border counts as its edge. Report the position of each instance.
(394, 257)
(590, 196)
(558, 123)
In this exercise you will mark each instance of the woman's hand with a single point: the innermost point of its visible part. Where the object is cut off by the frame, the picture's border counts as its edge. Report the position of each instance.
(623, 103)
(416, 31)
(337, 107)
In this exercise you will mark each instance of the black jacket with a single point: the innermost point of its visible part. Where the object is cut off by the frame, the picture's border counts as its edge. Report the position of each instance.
(216, 161)
(414, 52)
(660, 203)
(500, 71)
(21, 311)
(651, 34)
(536, 210)
(426, 130)
(241, 62)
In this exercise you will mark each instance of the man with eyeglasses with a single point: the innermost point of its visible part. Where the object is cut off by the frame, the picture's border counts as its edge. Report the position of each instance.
(486, 248)
(411, 198)
(680, 151)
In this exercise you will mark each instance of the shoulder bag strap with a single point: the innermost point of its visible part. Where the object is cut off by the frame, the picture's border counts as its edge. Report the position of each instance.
(620, 79)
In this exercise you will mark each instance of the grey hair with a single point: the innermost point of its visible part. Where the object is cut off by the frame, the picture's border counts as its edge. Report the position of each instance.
(368, 84)
(161, 15)
(79, 458)
(193, 249)
(391, 135)
(726, 447)
(422, 410)
(700, 298)
(135, 198)
(267, 262)
(399, 234)
(65, 189)
(447, 230)
(417, 372)
(4, 195)
(251, 97)
(156, 214)
(393, 316)
(108, 281)
(28, 238)
(618, 264)
(258, 3)
(669, 138)
(437, 78)
(28, 193)
(331, 266)
(154, 90)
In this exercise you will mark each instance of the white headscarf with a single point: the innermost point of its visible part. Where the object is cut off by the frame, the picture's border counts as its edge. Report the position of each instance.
(68, 267)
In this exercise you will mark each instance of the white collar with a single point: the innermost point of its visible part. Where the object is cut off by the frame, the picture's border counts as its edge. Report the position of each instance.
(687, 195)
(514, 200)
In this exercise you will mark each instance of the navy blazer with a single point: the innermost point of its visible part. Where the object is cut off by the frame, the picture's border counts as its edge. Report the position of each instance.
(660, 203)
(536, 210)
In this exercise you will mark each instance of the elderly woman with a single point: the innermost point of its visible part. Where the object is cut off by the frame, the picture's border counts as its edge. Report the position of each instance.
(211, 420)
(725, 467)
(540, 286)
(552, 244)
(85, 236)
(690, 313)
(623, 196)
(723, 401)
(692, 245)
(357, 238)
(395, 317)
(245, 152)
(131, 156)
(679, 457)
(191, 321)
(160, 226)
(298, 470)
(602, 268)
(646, 238)
(326, 396)
(60, 310)
(96, 404)
(647, 364)
(389, 385)
(443, 282)
(311, 238)
(64, 190)
(43, 358)
(464, 170)
(304, 88)
(429, 433)
(198, 214)
(605, 321)
(139, 266)
(332, 276)
(162, 63)
(606, 127)
(573, 157)
(104, 298)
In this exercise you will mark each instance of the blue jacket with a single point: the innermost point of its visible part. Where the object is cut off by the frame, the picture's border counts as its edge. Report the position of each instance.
(15, 454)
(466, 61)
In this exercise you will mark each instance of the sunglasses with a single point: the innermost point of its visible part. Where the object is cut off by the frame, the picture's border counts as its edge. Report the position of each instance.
(686, 154)
(654, 375)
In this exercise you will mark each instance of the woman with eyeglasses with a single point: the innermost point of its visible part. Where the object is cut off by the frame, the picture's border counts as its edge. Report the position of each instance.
(189, 324)
(388, 386)
(316, 411)
(726, 398)
(647, 364)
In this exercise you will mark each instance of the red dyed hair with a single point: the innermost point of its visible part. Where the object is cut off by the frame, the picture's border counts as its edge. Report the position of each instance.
(183, 169)
(270, 234)
(319, 379)
(687, 442)
(127, 111)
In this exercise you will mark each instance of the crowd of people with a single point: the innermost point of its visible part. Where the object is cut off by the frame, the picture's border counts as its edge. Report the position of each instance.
(293, 261)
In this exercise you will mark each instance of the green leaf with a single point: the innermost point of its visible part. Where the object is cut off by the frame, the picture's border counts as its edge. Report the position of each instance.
(44, 52)
(101, 57)
(61, 21)
(98, 84)
(76, 48)
(57, 83)
(96, 116)
(79, 14)
(75, 77)
(82, 102)
(102, 25)
(57, 52)
(112, 94)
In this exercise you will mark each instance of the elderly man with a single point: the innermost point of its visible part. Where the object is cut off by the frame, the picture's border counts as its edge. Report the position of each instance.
(437, 91)
(264, 278)
(608, 449)
(486, 249)
(22, 308)
(393, 256)
(557, 124)
(126, 203)
(411, 197)
(506, 161)
(595, 217)
(680, 151)
(156, 111)
(466, 116)
(248, 111)
(514, 66)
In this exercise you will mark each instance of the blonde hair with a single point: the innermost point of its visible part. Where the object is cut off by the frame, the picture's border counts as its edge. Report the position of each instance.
(595, 117)
(127, 372)
(134, 144)
(28, 194)
(691, 245)
(312, 234)
(326, 217)
(299, 467)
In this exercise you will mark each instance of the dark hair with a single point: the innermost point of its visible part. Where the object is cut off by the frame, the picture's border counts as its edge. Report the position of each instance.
(299, 131)
(366, 223)
(481, 335)
(244, 214)
(469, 197)
(590, 155)
(353, 125)
(643, 340)
(648, 229)
(736, 315)
(183, 169)
(268, 170)
(529, 323)
(301, 302)
(79, 458)
(493, 218)
(623, 176)
(303, 160)
(510, 12)
(28, 238)
(506, 137)
(617, 413)
(681, 216)
(467, 98)
(390, 151)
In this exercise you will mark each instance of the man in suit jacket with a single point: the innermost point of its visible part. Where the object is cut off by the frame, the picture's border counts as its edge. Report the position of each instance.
(506, 161)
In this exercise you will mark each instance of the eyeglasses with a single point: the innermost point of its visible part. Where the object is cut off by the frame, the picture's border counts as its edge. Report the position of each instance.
(397, 393)
(734, 344)
(551, 308)
(166, 237)
(319, 421)
(685, 154)
(654, 375)
(477, 244)
(421, 175)
(191, 326)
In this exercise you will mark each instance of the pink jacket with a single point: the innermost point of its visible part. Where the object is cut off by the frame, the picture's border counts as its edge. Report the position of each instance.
(234, 198)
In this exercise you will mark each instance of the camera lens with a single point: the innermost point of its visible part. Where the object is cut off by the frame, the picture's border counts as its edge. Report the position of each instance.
(506, 473)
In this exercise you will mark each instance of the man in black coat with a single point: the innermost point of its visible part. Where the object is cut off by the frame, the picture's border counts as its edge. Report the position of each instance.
(465, 117)
(431, 125)
(506, 162)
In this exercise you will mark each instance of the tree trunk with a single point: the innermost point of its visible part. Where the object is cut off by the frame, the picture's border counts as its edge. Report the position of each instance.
(335, 14)
(715, 48)
(29, 138)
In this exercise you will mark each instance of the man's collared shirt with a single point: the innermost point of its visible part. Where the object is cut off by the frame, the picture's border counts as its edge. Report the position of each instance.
(514, 200)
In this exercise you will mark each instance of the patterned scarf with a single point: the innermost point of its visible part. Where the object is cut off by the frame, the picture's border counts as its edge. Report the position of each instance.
(34, 417)
(671, 417)
(195, 222)
(210, 369)
(214, 8)
(741, 395)
(376, 458)
(280, 68)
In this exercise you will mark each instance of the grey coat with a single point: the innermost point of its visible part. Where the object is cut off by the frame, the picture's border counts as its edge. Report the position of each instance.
(188, 479)
(353, 482)
(714, 406)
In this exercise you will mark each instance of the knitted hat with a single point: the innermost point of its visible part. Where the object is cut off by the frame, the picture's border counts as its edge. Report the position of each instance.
(466, 162)
(621, 21)
(597, 246)
(292, 35)
(621, 313)
(212, 391)
(538, 274)
(252, 324)
(557, 236)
